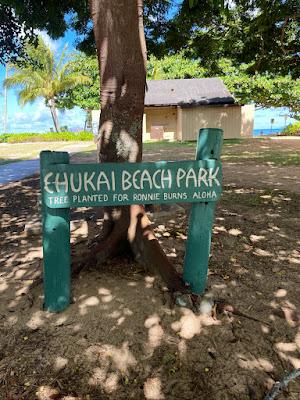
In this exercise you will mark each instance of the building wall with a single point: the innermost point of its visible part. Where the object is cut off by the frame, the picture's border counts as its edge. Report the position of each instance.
(160, 116)
(184, 123)
(227, 118)
(247, 120)
(178, 135)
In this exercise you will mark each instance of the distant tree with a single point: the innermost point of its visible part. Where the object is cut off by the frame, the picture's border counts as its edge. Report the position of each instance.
(42, 76)
(264, 89)
(87, 95)
(175, 66)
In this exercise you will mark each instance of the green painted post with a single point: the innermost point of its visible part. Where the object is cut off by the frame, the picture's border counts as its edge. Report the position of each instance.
(201, 218)
(56, 243)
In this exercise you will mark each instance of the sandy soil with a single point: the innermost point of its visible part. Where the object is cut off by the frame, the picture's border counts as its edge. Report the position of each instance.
(122, 338)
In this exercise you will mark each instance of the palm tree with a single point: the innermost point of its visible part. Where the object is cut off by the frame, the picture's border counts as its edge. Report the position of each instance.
(43, 77)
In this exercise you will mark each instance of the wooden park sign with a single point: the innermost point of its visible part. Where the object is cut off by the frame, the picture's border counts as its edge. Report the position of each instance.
(65, 185)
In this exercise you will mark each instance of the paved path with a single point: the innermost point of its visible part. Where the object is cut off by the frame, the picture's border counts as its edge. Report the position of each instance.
(18, 170)
(15, 171)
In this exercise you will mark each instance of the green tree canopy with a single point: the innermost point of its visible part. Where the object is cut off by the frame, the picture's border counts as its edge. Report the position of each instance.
(19, 20)
(254, 46)
(261, 33)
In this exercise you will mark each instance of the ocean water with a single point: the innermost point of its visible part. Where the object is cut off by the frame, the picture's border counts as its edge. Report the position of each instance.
(266, 132)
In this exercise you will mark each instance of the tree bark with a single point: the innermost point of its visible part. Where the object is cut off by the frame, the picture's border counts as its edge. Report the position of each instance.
(121, 50)
(54, 114)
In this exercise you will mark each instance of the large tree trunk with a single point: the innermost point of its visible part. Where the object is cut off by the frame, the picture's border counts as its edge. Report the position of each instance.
(121, 49)
(54, 114)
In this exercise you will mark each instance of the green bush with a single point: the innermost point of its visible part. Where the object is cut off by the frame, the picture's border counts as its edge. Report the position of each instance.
(4, 137)
(292, 130)
(46, 137)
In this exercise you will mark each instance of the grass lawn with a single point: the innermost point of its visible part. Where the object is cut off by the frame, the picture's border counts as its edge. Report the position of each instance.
(263, 151)
(256, 151)
(272, 158)
(26, 151)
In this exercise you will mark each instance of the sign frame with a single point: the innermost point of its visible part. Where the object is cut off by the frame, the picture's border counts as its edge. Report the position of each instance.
(184, 180)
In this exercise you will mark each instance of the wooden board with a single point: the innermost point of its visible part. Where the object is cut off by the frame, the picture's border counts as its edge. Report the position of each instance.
(201, 218)
(80, 185)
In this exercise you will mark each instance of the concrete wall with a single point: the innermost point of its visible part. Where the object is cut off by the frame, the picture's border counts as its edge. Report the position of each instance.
(227, 118)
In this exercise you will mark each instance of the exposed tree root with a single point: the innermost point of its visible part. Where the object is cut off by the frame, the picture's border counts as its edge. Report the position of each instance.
(149, 252)
(132, 224)
(128, 231)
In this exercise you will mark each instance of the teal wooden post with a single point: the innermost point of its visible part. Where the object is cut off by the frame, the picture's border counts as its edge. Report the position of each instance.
(56, 243)
(201, 218)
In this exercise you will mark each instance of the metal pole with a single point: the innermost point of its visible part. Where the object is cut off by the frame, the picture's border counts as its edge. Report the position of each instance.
(5, 103)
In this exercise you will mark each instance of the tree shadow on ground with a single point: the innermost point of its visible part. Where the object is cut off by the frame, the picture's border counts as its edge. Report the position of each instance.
(123, 338)
(8, 160)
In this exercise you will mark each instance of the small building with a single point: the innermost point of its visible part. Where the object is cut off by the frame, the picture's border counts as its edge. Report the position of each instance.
(175, 109)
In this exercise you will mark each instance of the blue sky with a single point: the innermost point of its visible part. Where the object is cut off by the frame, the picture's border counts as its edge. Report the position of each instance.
(262, 118)
(36, 117)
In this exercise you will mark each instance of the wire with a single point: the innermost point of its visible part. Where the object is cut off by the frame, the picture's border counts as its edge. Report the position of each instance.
(279, 386)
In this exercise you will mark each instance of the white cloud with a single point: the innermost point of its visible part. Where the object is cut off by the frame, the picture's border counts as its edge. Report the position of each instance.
(37, 118)
(20, 117)
(54, 45)
(41, 112)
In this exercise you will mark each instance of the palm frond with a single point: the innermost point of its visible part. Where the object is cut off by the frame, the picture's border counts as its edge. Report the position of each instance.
(19, 79)
(44, 78)
(29, 95)
(60, 63)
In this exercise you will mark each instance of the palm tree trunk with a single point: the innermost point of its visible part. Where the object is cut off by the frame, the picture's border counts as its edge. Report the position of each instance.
(121, 50)
(54, 114)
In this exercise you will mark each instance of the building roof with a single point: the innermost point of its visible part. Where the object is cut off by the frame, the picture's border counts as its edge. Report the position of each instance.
(187, 92)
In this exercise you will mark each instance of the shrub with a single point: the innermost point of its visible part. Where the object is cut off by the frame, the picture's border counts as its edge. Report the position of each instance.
(292, 129)
(46, 137)
(4, 137)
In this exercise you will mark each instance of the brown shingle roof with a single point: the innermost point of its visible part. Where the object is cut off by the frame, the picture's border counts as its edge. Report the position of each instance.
(187, 92)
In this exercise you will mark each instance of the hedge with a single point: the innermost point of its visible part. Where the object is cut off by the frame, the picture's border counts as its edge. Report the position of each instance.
(46, 137)
(292, 130)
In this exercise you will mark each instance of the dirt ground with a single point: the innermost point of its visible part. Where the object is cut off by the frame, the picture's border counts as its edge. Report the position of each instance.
(122, 338)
